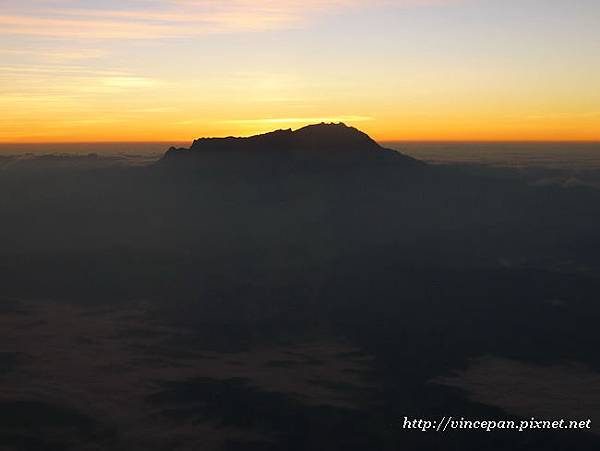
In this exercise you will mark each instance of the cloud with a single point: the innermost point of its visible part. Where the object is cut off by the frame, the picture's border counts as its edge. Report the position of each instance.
(52, 55)
(66, 70)
(29, 87)
(152, 19)
(300, 120)
(128, 82)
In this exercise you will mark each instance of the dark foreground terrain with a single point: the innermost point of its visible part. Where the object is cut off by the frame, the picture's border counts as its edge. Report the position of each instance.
(298, 290)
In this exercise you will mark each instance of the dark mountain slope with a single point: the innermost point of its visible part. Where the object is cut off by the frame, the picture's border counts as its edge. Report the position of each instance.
(321, 190)
(315, 147)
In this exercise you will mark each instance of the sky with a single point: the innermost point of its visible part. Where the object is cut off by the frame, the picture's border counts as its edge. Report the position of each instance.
(175, 70)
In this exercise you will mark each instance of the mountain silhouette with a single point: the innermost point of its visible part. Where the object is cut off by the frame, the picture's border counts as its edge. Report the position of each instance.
(320, 144)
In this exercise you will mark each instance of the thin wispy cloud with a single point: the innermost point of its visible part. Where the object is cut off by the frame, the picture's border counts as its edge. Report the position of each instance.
(67, 56)
(58, 70)
(172, 18)
(33, 85)
(299, 120)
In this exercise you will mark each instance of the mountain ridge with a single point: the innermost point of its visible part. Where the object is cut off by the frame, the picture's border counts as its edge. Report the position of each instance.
(333, 142)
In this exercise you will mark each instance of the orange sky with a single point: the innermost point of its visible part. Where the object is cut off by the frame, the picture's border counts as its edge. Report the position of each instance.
(173, 70)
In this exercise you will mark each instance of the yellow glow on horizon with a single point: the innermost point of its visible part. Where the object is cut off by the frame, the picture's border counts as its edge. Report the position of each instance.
(74, 103)
(107, 129)
(115, 106)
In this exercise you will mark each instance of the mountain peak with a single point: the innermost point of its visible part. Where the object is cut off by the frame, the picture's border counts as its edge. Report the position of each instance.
(335, 143)
(338, 134)
(323, 136)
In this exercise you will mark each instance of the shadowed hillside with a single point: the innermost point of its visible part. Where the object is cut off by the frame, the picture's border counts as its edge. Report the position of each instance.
(312, 148)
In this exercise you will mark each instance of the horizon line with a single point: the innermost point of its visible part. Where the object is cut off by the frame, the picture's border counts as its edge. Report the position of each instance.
(387, 140)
